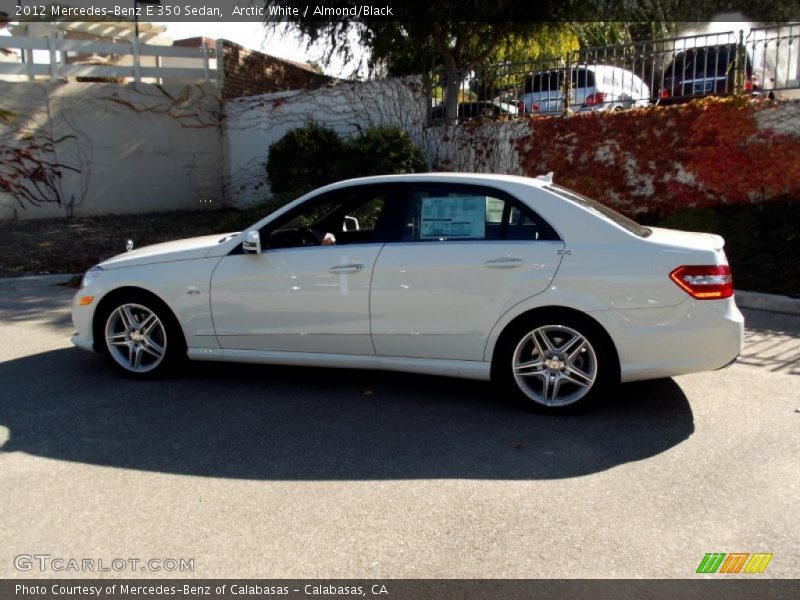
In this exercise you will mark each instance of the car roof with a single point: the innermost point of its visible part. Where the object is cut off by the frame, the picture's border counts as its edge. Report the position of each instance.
(585, 67)
(474, 178)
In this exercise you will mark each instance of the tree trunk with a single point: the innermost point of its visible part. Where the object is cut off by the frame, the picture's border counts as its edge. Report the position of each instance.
(452, 89)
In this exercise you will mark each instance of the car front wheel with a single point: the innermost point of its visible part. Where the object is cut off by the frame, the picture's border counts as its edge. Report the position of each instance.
(555, 364)
(141, 337)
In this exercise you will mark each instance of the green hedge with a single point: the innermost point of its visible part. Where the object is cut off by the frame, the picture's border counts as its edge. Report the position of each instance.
(312, 156)
(761, 241)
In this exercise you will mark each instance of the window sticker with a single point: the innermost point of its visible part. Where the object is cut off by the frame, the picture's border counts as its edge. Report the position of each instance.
(453, 217)
(494, 210)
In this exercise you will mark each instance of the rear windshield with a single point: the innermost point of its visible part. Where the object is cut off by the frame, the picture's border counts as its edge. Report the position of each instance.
(609, 213)
(710, 60)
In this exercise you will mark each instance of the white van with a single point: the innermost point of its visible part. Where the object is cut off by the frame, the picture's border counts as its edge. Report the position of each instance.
(594, 87)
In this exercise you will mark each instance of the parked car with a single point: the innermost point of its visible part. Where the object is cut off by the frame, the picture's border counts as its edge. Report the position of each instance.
(706, 71)
(551, 294)
(477, 110)
(594, 88)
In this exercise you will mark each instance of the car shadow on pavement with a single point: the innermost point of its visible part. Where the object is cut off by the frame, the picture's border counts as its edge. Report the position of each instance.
(28, 305)
(282, 423)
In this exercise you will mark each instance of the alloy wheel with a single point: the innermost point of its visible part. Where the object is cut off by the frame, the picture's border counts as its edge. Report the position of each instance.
(554, 365)
(136, 338)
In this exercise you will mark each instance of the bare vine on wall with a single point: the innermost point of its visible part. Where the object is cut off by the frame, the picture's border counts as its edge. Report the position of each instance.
(192, 107)
(30, 172)
(62, 144)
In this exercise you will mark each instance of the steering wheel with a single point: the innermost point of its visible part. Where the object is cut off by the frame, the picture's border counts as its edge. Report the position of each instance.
(308, 237)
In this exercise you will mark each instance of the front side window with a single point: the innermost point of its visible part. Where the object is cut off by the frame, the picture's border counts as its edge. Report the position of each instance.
(347, 216)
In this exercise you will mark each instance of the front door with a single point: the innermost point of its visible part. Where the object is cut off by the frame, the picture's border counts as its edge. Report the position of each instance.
(308, 290)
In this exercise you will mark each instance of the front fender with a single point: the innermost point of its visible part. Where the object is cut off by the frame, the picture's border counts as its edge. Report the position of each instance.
(184, 286)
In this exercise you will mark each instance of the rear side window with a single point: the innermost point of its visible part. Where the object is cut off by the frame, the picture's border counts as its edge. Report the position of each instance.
(604, 210)
(549, 81)
(467, 213)
(582, 78)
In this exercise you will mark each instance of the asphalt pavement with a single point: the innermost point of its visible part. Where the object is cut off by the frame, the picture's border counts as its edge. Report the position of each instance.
(257, 471)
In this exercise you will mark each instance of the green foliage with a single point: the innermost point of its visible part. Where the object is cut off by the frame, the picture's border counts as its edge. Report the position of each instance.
(312, 156)
(304, 159)
(601, 33)
(423, 37)
(757, 237)
(381, 151)
(460, 34)
(693, 219)
(242, 219)
(543, 41)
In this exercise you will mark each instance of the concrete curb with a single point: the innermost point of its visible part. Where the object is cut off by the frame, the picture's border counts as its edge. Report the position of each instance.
(744, 299)
(769, 302)
(33, 281)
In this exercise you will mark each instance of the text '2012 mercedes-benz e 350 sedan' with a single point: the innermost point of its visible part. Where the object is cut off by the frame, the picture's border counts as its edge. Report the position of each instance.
(547, 292)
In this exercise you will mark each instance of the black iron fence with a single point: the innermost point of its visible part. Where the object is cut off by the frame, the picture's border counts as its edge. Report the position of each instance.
(624, 76)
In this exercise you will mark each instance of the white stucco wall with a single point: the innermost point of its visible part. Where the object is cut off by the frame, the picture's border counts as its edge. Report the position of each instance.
(255, 122)
(124, 148)
(479, 147)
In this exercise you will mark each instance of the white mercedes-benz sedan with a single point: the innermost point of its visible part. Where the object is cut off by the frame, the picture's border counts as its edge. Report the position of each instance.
(549, 293)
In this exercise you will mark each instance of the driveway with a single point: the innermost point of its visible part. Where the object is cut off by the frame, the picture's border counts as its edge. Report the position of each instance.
(254, 471)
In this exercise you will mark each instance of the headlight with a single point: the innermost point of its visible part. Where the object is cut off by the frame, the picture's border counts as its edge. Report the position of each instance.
(90, 276)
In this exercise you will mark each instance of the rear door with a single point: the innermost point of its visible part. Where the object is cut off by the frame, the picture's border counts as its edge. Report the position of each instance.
(459, 258)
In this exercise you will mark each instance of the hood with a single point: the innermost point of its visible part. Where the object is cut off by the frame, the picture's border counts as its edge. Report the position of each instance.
(187, 249)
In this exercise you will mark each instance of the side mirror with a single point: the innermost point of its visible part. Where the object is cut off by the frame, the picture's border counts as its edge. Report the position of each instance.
(252, 243)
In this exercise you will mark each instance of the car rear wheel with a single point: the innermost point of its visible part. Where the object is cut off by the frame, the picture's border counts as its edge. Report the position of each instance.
(555, 364)
(141, 336)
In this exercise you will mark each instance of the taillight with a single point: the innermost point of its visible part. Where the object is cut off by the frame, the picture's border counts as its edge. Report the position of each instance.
(748, 85)
(664, 94)
(534, 107)
(704, 282)
(596, 98)
(520, 107)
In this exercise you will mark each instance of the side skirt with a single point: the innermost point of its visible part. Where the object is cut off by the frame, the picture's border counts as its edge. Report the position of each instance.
(466, 369)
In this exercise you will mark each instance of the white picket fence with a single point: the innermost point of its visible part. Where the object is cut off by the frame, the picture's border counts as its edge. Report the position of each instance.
(131, 60)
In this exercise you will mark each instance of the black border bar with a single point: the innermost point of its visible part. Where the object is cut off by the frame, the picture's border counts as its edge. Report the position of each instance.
(402, 10)
(718, 587)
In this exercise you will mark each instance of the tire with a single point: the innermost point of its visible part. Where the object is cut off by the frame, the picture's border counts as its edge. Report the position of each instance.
(556, 363)
(140, 335)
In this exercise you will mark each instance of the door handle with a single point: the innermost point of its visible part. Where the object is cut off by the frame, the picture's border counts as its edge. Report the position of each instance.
(351, 268)
(504, 262)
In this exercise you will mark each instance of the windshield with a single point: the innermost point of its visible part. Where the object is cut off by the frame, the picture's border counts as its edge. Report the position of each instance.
(609, 213)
